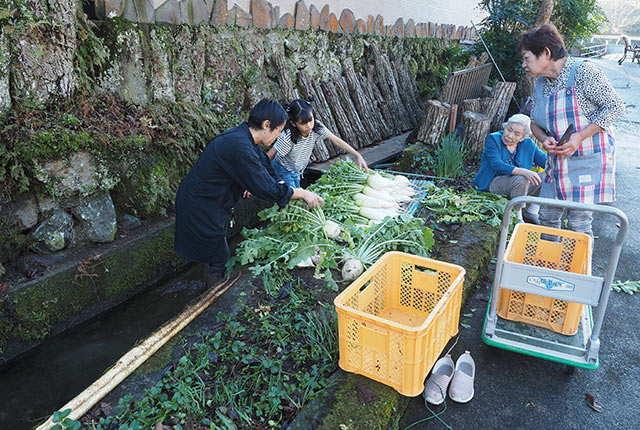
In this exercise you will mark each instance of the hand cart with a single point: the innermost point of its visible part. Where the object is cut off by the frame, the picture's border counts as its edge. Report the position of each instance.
(556, 284)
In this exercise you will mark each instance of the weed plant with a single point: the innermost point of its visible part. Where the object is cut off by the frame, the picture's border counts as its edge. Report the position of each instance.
(256, 371)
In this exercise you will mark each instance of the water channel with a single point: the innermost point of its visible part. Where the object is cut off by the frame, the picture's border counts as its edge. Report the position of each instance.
(44, 379)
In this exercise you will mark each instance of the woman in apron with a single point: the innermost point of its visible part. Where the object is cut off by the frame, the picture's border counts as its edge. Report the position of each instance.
(571, 93)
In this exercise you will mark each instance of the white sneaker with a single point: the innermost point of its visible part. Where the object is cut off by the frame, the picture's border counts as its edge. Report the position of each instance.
(436, 387)
(461, 389)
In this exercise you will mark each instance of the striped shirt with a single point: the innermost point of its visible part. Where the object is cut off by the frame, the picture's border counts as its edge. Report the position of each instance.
(295, 157)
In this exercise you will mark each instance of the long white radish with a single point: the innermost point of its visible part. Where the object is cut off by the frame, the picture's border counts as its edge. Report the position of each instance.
(383, 195)
(402, 198)
(372, 202)
(404, 189)
(401, 179)
(376, 214)
(377, 182)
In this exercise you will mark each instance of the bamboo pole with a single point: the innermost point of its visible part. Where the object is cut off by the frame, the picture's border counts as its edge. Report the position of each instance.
(129, 362)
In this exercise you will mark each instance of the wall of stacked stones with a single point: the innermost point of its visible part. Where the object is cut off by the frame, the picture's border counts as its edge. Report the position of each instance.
(198, 52)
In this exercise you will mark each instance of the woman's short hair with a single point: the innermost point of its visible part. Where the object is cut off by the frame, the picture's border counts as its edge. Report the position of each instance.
(546, 36)
(267, 110)
(521, 119)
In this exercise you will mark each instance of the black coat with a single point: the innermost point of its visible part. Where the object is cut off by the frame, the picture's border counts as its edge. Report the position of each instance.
(230, 164)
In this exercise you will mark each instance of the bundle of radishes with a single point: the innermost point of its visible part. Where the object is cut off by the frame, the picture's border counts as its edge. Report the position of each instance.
(382, 197)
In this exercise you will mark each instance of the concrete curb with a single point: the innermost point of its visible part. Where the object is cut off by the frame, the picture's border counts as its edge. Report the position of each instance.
(32, 311)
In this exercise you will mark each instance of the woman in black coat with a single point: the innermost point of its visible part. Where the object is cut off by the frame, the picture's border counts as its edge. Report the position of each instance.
(230, 164)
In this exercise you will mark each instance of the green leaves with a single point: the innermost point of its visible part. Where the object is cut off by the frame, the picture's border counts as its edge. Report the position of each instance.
(628, 287)
(471, 205)
(450, 155)
(62, 422)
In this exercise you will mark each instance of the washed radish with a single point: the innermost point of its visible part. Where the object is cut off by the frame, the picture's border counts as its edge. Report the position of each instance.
(308, 262)
(401, 179)
(318, 256)
(372, 202)
(382, 195)
(377, 214)
(377, 182)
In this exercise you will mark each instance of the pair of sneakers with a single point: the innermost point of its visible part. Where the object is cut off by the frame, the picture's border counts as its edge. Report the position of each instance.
(460, 376)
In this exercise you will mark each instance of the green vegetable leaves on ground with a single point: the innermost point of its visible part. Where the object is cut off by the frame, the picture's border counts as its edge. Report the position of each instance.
(471, 205)
(628, 287)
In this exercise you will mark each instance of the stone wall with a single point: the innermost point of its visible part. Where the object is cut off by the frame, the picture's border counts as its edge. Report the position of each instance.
(263, 14)
(72, 179)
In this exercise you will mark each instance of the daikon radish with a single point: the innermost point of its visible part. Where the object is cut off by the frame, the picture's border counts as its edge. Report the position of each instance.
(400, 179)
(377, 182)
(376, 214)
(351, 269)
(372, 202)
(382, 195)
(331, 229)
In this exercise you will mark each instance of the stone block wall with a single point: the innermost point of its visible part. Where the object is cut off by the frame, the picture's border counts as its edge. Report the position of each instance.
(263, 14)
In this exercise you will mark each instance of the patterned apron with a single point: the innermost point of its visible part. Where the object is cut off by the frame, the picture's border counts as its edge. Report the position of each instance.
(588, 176)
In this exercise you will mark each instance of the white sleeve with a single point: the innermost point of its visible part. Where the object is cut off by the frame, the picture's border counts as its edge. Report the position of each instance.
(283, 143)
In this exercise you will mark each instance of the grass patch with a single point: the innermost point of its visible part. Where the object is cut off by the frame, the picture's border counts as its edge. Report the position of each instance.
(256, 370)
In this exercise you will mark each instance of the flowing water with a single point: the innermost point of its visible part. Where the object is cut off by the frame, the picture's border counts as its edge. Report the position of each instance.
(44, 379)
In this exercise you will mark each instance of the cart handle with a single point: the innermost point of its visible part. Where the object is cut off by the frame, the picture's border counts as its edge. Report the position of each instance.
(611, 268)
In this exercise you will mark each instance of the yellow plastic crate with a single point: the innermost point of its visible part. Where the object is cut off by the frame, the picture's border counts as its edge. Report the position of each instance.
(571, 254)
(396, 318)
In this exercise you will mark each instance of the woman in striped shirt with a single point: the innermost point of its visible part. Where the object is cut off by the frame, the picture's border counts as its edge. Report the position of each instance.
(292, 150)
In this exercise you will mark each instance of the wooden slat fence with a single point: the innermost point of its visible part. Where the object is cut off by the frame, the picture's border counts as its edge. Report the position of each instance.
(465, 84)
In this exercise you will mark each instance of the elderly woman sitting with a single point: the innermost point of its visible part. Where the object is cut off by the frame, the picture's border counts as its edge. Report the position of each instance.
(507, 158)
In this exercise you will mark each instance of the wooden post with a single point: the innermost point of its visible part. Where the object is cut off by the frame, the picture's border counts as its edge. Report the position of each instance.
(362, 137)
(434, 124)
(342, 121)
(453, 119)
(475, 131)
(367, 111)
(472, 105)
(405, 91)
(385, 107)
(389, 89)
(323, 113)
(378, 110)
(284, 79)
(502, 93)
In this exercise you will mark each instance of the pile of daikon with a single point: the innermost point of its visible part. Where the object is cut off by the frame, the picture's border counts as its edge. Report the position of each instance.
(382, 197)
(362, 218)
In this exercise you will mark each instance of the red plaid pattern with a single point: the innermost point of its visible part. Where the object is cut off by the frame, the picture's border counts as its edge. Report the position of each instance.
(569, 173)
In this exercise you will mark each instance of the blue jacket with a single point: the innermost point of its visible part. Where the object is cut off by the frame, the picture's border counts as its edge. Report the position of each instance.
(495, 154)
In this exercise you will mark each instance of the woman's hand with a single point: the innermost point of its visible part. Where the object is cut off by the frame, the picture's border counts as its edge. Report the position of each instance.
(361, 162)
(531, 176)
(549, 144)
(569, 147)
(246, 194)
(313, 200)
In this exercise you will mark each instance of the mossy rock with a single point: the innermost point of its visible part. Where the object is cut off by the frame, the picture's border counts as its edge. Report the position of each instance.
(406, 161)
(472, 247)
(148, 187)
(349, 413)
